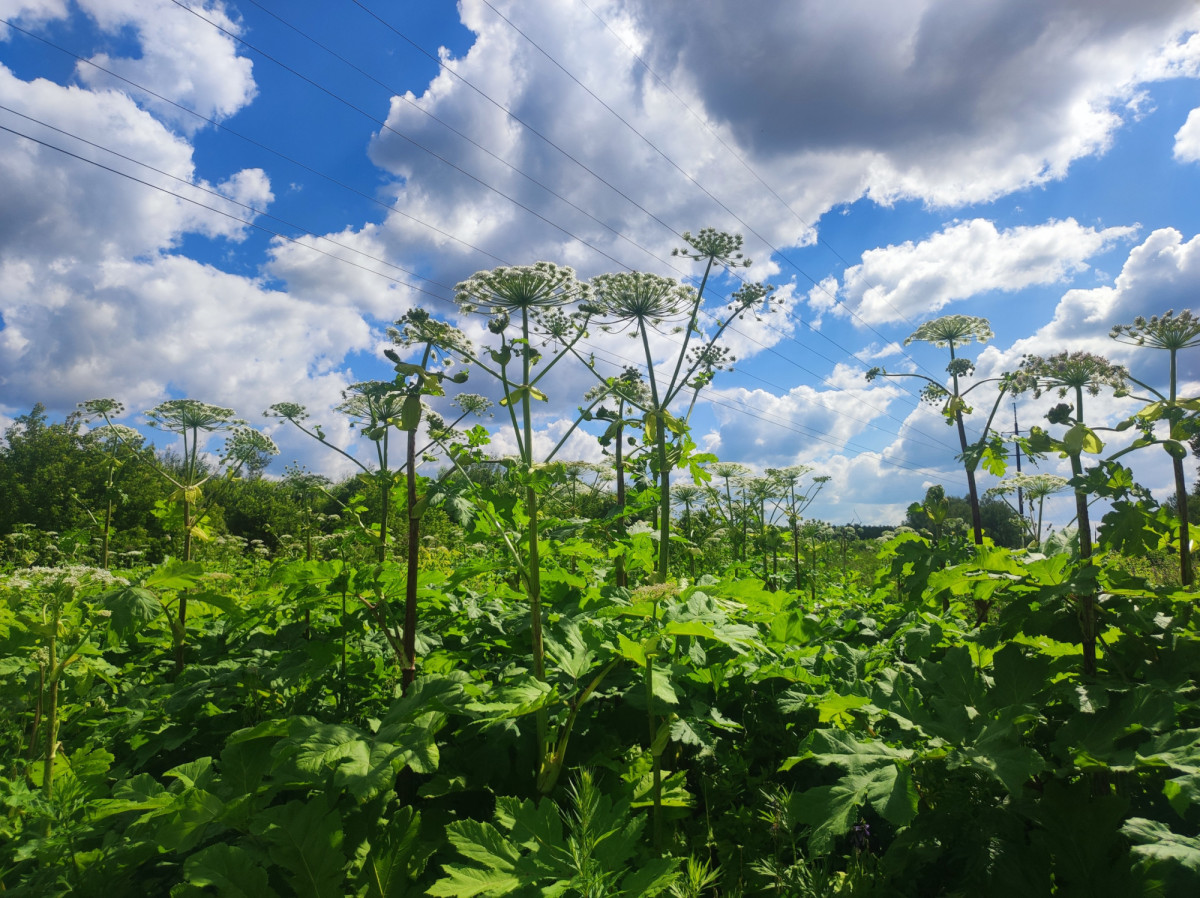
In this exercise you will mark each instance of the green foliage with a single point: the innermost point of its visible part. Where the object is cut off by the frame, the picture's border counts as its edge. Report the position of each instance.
(589, 847)
(863, 730)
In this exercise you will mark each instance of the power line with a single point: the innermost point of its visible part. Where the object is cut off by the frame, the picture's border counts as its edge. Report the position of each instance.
(390, 207)
(729, 149)
(251, 224)
(466, 137)
(441, 158)
(774, 250)
(383, 124)
(811, 433)
(227, 199)
(260, 212)
(250, 140)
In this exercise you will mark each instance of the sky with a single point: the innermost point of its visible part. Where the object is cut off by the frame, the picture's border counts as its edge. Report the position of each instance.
(231, 200)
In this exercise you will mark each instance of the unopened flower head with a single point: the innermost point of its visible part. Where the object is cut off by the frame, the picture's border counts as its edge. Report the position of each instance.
(417, 327)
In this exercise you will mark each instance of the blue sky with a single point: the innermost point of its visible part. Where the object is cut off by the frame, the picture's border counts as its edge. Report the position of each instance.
(1034, 163)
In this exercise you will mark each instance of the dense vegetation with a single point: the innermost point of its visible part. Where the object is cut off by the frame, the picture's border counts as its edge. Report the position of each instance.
(533, 677)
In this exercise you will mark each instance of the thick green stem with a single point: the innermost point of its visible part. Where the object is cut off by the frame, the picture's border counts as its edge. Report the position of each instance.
(619, 574)
(410, 587)
(1186, 575)
(533, 565)
(51, 706)
(655, 759)
(796, 550)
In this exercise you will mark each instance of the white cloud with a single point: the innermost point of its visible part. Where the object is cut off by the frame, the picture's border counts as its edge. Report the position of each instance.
(920, 99)
(912, 280)
(1187, 139)
(182, 58)
(943, 102)
(1161, 273)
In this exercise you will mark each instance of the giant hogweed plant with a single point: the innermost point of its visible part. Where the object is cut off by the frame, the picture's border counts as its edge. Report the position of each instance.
(952, 332)
(1171, 333)
(537, 315)
(194, 422)
(1072, 374)
(629, 392)
(377, 407)
(117, 443)
(793, 500)
(647, 302)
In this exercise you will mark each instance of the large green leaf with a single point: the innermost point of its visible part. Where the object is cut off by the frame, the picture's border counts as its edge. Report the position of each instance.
(830, 811)
(305, 839)
(466, 882)
(175, 574)
(232, 871)
(1156, 841)
(392, 858)
(360, 765)
(132, 607)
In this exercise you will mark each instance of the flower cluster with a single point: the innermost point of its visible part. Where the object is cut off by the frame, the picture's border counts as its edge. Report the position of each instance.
(952, 330)
(638, 296)
(1067, 371)
(722, 248)
(1169, 331)
(521, 288)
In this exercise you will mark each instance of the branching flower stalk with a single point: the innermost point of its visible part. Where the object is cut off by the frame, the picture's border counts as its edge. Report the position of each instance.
(194, 422)
(110, 438)
(1172, 333)
(630, 391)
(536, 297)
(953, 331)
(1036, 488)
(731, 472)
(647, 302)
(794, 501)
(417, 329)
(687, 495)
(374, 407)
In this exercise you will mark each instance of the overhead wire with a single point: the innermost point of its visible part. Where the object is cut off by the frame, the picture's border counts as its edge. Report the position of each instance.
(386, 126)
(221, 212)
(731, 150)
(774, 250)
(391, 207)
(743, 408)
(251, 223)
(458, 133)
(468, 83)
(226, 198)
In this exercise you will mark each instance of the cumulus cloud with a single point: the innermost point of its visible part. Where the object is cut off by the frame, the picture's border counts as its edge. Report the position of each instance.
(1161, 273)
(774, 114)
(945, 102)
(912, 280)
(1187, 139)
(182, 56)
